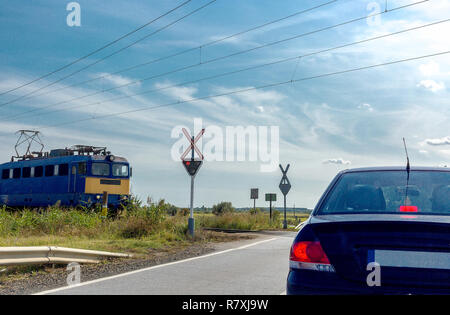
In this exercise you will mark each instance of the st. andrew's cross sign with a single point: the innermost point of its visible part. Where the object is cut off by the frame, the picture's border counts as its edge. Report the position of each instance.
(285, 186)
(192, 165)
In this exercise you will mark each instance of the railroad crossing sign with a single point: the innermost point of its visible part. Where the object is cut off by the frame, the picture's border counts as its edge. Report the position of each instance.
(192, 145)
(285, 185)
(192, 166)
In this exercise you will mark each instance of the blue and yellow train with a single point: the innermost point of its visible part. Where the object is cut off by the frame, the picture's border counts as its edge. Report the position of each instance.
(81, 175)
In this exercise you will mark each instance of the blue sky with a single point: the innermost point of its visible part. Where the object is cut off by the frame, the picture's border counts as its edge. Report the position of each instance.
(326, 125)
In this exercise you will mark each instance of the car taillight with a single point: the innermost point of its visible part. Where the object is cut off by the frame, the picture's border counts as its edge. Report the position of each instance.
(310, 252)
(309, 255)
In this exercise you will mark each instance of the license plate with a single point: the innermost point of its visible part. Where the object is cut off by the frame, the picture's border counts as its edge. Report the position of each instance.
(410, 259)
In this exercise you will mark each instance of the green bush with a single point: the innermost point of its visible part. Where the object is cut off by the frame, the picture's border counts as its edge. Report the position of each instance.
(223, 208)
(255, 211)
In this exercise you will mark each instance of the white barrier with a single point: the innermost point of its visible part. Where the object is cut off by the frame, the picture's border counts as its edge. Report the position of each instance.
(36, 255)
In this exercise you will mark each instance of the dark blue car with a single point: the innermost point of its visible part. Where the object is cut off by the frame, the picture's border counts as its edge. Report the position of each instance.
(376, 231)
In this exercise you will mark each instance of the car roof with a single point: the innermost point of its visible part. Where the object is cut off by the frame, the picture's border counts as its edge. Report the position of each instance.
(396, 168)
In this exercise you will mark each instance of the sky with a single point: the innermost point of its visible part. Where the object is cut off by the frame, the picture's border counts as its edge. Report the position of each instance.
(326, 124)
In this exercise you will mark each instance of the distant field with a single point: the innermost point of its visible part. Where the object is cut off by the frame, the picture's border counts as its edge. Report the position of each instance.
(246, 221)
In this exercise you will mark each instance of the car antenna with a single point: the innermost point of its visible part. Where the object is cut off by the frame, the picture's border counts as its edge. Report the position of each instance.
(408, 166)
(408, 170)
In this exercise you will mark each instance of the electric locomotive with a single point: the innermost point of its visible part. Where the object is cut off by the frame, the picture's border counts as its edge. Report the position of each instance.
(79, 175)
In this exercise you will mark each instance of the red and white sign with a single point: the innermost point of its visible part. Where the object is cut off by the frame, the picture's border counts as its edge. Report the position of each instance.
(192, 144)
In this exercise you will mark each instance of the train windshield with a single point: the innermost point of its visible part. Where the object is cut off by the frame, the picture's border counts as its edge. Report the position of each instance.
(120, 170)
(100, 169)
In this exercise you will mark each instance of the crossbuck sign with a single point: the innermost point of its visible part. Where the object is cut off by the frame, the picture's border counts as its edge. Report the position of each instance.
(192, 165)
(285, 186)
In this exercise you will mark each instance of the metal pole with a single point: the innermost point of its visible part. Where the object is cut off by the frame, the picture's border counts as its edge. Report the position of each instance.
(191, 215)
(254, 204)
(105, 204)
(270, 209)
(285, 221)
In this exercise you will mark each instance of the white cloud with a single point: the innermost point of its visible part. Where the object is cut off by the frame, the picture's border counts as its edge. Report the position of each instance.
(430, 69)
(339, 161)
(440, 141)
(431, 85)
(117, 80)
(366, 106)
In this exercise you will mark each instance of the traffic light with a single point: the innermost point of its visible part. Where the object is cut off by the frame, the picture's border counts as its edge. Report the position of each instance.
(192, 166)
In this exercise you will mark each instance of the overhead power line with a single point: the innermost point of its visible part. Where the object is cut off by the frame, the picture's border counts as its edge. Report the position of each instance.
(230, 72)
(218, 58)
(95, 51)
(183, 51)
(272, 85)
(108, 56)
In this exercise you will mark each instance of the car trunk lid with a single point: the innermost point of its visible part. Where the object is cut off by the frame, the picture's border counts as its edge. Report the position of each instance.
(413, 250)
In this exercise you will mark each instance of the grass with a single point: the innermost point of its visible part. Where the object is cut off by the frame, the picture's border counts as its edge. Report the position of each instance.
(136, 228)
(248, 221)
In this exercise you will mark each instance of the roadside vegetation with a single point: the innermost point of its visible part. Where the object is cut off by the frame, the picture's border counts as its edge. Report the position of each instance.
(135, 228)
(141, 229)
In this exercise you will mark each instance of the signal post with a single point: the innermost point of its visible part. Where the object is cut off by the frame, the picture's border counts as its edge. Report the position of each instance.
(192, 166)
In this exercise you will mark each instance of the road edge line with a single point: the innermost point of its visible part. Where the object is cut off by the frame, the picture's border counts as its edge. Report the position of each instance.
(150, 268)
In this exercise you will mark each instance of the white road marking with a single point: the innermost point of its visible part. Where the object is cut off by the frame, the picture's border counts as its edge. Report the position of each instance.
(151, 268)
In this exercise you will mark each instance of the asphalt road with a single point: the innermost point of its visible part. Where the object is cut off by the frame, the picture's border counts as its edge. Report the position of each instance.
(258, 266)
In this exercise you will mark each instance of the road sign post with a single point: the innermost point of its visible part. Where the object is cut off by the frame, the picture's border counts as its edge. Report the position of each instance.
(270, 198)
(192, 166)
(105, 204)
(254, 196)
(285, 186)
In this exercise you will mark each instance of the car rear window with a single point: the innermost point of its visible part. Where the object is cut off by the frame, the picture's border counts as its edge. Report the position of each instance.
(426, 192)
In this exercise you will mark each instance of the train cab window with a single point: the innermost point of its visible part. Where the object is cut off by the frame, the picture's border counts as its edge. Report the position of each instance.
(49, 170)
(82, 169)
(16, 173)
(63, 169)
(38, 171)
(120, 170)
(5, 173)
(100, 169)
(56, 170)
(26, 172)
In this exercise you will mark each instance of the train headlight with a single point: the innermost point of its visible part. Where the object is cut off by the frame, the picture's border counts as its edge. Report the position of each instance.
(111, 158)
(98, 197)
